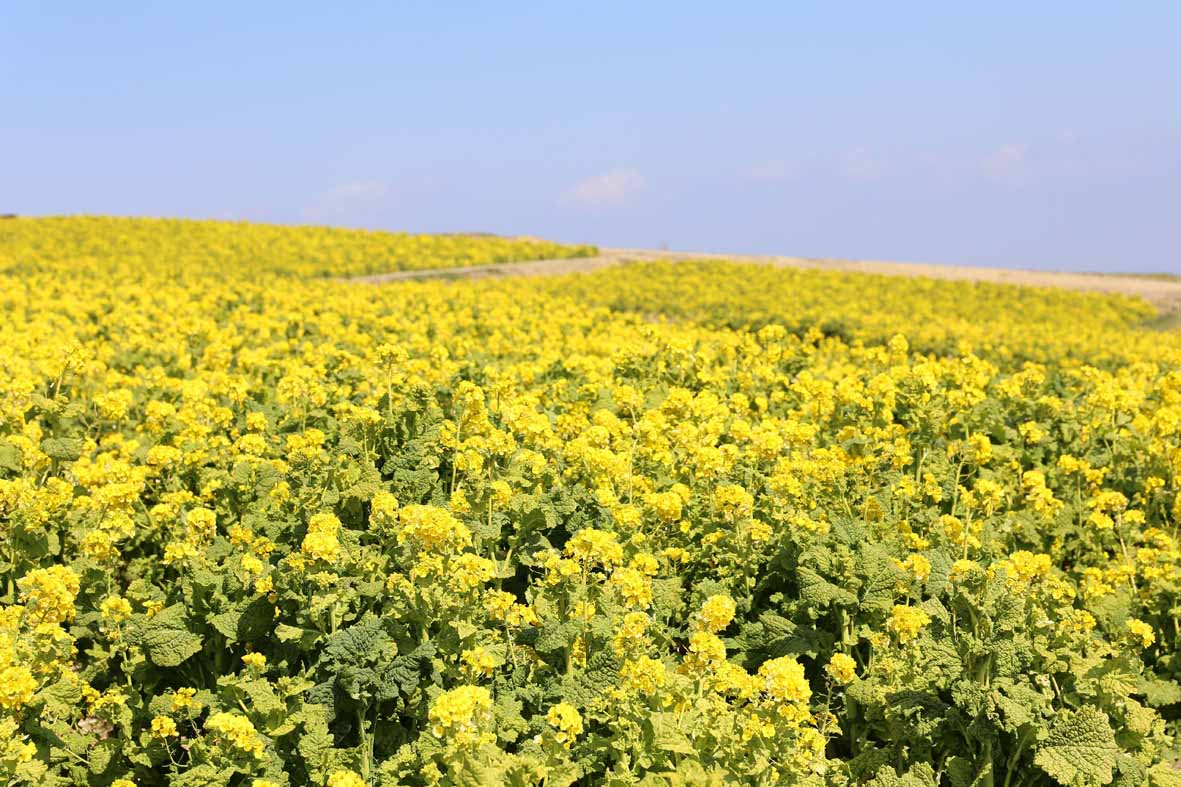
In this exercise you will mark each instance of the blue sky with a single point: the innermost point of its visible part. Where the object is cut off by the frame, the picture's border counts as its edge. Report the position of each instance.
(1042, 135)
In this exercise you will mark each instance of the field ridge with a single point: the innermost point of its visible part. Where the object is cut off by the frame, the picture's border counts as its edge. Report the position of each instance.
(1164, 293)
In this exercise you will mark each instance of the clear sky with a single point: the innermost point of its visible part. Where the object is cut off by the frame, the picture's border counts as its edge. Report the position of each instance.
(1018, 134)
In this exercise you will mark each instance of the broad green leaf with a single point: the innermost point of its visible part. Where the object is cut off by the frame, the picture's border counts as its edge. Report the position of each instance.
(248, 622)
(65, 449)
(1080, 748)
(166, 638)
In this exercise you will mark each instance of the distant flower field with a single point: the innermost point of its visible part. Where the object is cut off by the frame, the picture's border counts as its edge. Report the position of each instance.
(656, 525)
(131, 246)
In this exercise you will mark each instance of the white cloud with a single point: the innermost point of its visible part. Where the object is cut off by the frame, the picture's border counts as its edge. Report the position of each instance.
(860, 164)
(344, 202)
(610, 188)
(769, 171)
(1007, 163)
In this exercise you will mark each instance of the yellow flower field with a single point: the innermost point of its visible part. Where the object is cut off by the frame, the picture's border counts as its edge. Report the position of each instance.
(659, 525)
(133, 246)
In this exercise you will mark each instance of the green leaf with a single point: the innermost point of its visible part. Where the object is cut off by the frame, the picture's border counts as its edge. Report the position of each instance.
(1165, 774)
(934, 607)
(1079, 749)
(10, 457)
(818, 591)
(668, 598)
(921, 775)
(1159, 693)
(203, 775)
(556, 636)
(880, 577)
(315, 745)
(99, 755)
(364, 642)
(1018, 704)
(941, 563)
(402, 676)
(262, 697)
(365, 489)
(1013, 713)
(62, 448)
(1115, 677)
(1112, 609)
(772, 636)
(166, 638)
(667, 736)
(305, 638)
(463, 629)
(960, 772)
(244, 623)
(61, 697)
(588, 684)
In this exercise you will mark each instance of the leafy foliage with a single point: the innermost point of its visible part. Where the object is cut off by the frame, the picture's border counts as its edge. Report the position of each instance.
(1079, 748)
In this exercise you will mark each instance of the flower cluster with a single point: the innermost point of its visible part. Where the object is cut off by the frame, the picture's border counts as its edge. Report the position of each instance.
(460, 715)
(236, 732)
(320, 542)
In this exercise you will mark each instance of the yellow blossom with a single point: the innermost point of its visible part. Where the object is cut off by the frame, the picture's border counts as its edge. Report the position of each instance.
(1140, 632)
(49, 594)
(164, 727)
(784, 681)
(236, 732)
(459, 714)
(566, 721)
(841, 668)
(906, 622)
(345, 778)
(17, 687)
(255, 661)
(716, 613)
(320, 541)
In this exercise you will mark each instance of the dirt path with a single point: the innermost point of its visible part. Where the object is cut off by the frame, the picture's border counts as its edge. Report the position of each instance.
(1164, 293)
